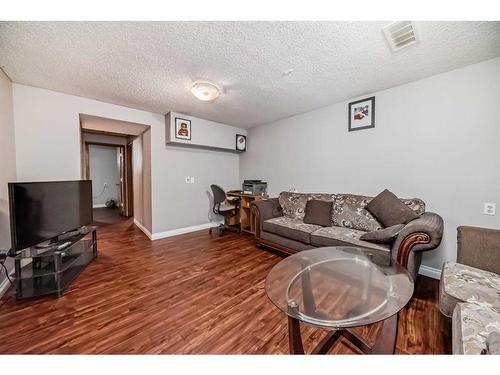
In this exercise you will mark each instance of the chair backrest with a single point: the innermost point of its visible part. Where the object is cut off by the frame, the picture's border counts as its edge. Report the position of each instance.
(479, 248)
(219, 194)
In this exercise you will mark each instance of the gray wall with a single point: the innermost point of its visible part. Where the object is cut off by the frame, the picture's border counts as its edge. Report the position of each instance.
(48, 146)
(104, 170)
(8, 163)
(437, 138)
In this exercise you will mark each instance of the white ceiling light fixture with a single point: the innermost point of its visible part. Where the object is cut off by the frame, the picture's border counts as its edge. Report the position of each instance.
(400, 34)
(206, 91)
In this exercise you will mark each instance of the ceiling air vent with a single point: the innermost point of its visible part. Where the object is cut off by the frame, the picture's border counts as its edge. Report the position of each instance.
(400, 34)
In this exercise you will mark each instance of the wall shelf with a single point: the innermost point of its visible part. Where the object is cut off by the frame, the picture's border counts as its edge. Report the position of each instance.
(204, 147)
(205, 134)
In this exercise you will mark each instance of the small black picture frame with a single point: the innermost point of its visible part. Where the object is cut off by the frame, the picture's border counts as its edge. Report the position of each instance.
(182, 128)
(241, 142)
(361, 114)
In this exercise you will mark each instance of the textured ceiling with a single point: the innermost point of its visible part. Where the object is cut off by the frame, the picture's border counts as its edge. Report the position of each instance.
(151, 65)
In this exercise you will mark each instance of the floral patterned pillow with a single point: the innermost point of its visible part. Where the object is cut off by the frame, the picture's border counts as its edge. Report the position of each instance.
(349, 212)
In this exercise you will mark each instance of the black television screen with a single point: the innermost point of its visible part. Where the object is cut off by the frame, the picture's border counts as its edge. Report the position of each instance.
(40, 211)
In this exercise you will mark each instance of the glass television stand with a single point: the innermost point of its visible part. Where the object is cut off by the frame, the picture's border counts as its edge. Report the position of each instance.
(49, 270)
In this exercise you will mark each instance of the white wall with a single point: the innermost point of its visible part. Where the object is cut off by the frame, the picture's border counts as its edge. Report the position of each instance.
(104, 174)
(437, 138)
(48, 148)
(7, 164)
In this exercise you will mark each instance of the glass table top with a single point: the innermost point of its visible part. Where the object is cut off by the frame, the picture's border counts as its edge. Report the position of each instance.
(339, 287)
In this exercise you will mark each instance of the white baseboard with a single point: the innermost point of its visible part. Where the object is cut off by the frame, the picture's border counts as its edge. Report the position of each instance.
(175, 232)
(101, 205)
(143, 228)
(430, 272)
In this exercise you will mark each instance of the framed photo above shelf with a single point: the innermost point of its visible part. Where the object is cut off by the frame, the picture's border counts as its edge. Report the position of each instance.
(362, 114)
(182, 129)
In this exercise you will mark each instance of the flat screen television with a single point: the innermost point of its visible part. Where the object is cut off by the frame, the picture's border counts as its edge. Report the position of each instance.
(42, 211)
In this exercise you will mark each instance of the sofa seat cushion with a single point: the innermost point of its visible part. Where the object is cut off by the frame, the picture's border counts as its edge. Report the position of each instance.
(294, 204)
(461, 283)
(472, 324)
(291, 228)
(340, 236)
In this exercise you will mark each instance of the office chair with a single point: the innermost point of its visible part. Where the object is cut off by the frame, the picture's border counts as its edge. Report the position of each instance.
(226, 210)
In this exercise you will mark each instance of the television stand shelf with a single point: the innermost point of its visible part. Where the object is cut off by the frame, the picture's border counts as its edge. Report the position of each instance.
(50, 270)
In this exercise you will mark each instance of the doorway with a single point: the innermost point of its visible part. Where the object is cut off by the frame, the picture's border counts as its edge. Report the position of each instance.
(106, 170)
(116, 156)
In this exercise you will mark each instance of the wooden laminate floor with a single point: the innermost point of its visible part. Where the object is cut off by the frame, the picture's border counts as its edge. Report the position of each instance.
(192, 293)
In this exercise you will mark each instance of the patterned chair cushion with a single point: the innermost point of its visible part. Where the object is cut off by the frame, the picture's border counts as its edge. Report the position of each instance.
(294, 204)
(461, 283)
(472, 323)
(290, 228)
(340, 236)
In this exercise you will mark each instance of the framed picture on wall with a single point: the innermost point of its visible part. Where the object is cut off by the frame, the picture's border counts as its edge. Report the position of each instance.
(182, 128)
(362, 114)
(241, 142)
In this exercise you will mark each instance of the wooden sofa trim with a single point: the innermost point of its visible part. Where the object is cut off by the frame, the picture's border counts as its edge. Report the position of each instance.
(417, 238)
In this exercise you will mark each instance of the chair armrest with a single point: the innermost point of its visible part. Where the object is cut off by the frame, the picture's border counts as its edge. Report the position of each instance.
(422, 234)
(264, 210)
(479, 248)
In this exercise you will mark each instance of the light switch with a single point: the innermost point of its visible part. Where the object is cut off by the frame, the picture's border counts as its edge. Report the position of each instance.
(188, 179)
(490, 208)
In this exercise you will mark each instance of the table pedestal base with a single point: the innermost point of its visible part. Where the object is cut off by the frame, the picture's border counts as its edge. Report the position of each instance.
(384, 344)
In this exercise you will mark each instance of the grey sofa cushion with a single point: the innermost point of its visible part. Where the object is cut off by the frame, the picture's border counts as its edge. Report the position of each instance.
(461, 283)
(389, 210)
(471, 325)
(318, 212)
(340, 236)
(349, 212)
(386, 235)
(291, 228)
(294, 204)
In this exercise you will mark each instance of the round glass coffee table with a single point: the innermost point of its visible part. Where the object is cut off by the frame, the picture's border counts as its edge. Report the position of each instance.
(338, 288)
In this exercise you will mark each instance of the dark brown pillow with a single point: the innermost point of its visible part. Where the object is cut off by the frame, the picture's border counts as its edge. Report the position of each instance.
(387, 235)
(319, 213)
(389, 210)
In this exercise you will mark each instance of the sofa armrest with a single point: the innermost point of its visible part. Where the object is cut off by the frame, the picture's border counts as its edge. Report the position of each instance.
(479, 248)
(422, 234)
(264, 210)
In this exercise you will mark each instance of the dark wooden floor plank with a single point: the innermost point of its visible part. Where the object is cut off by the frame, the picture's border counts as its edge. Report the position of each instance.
(193, 293)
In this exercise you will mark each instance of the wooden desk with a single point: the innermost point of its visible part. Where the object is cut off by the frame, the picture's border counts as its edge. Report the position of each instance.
(247, 221)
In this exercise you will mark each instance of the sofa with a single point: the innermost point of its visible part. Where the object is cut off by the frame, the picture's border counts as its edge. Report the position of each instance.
(469, 290)
(280, 225)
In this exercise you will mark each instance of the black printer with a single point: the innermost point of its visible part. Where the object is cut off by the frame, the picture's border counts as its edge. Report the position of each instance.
(254, 187)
